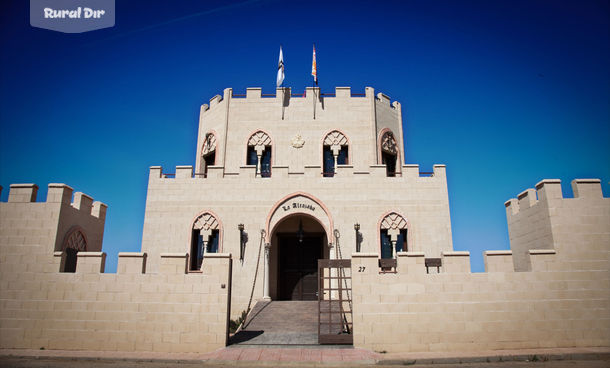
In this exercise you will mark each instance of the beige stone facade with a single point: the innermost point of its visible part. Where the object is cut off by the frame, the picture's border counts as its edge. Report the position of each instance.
(358, 192)
(42, 307)
(561, 300)
(282, 178)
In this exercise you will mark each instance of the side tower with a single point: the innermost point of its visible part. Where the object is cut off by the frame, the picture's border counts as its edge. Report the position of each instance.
(282, 177)
(31, 232)
(541, 221)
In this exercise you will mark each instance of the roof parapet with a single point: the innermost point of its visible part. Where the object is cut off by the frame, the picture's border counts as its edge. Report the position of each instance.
(527, 198)
(549, 189)
(23, 193)
(343, 92)
(253, 92)
(385, 99)
(215, 100)
(587, 188)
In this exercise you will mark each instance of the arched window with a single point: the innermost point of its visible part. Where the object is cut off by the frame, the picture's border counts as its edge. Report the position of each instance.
(259, 153)
(393, 235)
(205, 239)
(75, 242)
(389, 152)
(208, 153)
(335, 151)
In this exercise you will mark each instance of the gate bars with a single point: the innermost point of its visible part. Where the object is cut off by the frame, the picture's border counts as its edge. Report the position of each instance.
(335, 319)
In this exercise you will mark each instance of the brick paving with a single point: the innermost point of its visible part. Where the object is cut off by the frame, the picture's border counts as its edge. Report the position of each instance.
(294, 354)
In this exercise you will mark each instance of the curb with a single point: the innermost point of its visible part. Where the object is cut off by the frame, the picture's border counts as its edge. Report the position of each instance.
(499, 358)
(531, 357)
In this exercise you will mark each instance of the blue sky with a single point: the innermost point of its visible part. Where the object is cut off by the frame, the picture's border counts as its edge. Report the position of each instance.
(505, 93)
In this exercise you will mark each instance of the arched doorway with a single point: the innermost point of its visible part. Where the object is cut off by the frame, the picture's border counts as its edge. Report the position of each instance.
(297, 242)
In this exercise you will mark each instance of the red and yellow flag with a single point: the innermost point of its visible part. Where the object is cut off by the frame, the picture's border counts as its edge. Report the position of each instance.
(314, 69)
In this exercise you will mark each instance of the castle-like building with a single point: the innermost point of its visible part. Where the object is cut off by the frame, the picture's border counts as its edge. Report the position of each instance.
(304, 198)
(304, 171)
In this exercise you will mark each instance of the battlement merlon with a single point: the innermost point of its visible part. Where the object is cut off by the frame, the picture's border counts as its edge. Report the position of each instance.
(587, 188)
(545, 189)
(255, 93)
(410, 172)
(23, 193)
(58, 193)
(550, 190)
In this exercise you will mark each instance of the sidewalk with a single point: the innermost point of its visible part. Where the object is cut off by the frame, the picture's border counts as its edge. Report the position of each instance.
(320, 356)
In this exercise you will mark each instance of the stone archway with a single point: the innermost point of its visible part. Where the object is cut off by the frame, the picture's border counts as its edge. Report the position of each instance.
(298, 233)
(297, 243)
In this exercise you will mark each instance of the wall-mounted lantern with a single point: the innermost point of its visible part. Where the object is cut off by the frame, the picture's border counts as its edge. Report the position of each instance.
(300, 232)
(357, 229)
(242, 242)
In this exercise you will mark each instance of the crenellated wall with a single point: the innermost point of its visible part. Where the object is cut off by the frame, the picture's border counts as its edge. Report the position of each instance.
(232, 118)
(541, 219)
(132, 310)
(351, 196)
(562, 300)
(24, 222)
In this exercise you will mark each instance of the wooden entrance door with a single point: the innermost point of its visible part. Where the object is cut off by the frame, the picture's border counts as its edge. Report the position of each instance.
(298, 276)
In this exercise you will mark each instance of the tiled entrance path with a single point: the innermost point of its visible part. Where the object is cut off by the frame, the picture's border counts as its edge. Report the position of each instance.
(318, 354)
(280, 323)
(286, 331)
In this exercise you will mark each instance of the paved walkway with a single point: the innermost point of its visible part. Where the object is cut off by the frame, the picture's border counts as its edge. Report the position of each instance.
(280, 323)
(307, 356)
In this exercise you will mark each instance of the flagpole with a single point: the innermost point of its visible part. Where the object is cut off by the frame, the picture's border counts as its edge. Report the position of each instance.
(280, 80)
(283, 101)
(313, 79)
(314, 98)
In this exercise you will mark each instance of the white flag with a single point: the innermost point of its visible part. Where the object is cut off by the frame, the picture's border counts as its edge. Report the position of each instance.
(280, 69)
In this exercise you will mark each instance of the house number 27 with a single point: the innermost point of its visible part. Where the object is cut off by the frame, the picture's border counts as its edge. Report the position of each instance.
(361, 269)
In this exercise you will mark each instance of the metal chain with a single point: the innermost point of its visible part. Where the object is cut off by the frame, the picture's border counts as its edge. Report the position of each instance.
(337, 235)
(258, 261)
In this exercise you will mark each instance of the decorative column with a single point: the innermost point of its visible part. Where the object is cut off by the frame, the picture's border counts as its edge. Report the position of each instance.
(259, 153)
(205, 235)
(335, 148)
(393, 233)
(266, 273)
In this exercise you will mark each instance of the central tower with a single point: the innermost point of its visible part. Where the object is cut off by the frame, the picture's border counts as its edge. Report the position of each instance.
(299, 172)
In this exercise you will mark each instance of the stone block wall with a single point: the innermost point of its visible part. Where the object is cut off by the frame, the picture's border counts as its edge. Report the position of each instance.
(350, 197)
(563, 301)
(542, 219)
(41, 307)
(233, 118)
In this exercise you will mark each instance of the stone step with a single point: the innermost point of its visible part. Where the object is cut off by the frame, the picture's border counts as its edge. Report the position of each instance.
(280, 323)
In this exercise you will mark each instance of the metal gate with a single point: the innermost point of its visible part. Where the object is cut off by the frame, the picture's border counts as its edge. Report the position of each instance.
(335, 321)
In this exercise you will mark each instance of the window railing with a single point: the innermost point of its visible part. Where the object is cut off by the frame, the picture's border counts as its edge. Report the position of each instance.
(433, 262)
(387, 264)
(328, 174)
(265, 170)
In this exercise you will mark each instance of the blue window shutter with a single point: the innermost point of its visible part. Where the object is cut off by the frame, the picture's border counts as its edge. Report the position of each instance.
(386, 245)
(329, 161)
